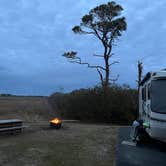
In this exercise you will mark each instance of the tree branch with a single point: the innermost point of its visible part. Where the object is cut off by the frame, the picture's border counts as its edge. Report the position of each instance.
(98, 55)
(79, 61)
(115, 79)
(111, 55)
(115, 62)
(97, 34)
(101, 76)
(85, 32)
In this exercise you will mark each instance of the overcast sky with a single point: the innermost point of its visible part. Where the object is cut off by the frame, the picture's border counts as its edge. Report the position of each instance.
(35, 33)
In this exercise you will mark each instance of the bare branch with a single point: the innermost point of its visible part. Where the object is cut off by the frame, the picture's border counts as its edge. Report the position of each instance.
(79, 30)
(115, 79)
(98, 55)
(97, 34)
(101, 76)
(79, 61)
(115, 62)
(111, 55)
(86, 32)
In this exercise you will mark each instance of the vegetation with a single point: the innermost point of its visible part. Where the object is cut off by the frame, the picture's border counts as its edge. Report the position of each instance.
(89, 105)
(105, 23)
(29, 109)
(4, 94)
(73, 145)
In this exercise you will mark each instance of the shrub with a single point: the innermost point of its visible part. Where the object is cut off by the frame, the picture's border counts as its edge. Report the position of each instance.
(119, 106)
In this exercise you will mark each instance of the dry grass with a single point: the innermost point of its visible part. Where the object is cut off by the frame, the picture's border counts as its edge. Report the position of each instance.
(73, 145)
(30, 109)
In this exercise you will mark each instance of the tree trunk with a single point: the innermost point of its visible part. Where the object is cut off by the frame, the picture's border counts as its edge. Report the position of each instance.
(107, 73)
(106, 60)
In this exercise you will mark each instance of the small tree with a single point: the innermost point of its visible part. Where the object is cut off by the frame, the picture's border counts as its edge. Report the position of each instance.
(105, 23)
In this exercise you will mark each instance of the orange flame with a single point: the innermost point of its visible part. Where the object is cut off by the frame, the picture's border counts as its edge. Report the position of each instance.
(56, 121)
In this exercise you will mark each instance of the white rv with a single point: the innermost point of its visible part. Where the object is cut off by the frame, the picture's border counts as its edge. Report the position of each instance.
(152, 107)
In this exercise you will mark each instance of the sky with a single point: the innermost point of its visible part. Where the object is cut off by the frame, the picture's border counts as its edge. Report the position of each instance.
(35, 33)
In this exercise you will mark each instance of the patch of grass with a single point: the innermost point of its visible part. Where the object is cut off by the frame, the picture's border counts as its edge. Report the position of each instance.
(30, 109)
(73, 145)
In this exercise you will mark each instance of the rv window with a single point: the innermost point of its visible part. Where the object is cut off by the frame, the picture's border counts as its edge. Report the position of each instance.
(143, 94)
(148, 91)
(158, 96)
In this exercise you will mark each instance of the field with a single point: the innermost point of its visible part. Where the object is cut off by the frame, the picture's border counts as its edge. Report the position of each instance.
(30, 109)
(75, 144)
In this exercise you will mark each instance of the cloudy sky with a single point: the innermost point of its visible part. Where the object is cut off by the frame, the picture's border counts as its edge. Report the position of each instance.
(35, 33)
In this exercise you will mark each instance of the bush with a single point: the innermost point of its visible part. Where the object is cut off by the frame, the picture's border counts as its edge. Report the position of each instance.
(119, 106)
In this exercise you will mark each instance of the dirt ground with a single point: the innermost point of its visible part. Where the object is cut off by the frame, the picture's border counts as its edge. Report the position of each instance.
(75, 144)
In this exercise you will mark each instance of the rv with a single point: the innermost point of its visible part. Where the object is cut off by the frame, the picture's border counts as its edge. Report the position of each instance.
(152, 108)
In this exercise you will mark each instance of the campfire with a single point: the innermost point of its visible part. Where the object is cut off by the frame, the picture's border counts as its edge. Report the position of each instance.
(55, 123)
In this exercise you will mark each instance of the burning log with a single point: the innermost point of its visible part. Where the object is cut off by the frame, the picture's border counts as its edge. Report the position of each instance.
(55, 123)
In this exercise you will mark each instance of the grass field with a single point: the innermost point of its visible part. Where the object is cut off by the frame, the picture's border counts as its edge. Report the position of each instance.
(74, 144)
(30, 109)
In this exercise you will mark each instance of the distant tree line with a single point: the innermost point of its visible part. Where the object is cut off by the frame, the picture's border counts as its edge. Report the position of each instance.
(5, 95)
(89, 105)
(11, 95)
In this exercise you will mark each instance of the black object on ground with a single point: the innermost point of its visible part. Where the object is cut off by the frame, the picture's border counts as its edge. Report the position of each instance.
(55, 123)
(56, 126)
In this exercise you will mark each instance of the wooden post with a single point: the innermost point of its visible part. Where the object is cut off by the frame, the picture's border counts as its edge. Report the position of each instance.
(140, 69)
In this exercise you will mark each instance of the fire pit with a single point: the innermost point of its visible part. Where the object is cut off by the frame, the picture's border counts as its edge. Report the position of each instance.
(55, 123)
